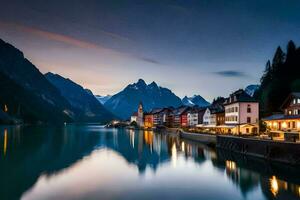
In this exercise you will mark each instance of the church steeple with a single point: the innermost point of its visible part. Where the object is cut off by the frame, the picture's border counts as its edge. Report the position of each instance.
(140, 115)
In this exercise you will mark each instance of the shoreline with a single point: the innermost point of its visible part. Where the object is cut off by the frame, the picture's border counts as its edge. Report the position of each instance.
(276, 151)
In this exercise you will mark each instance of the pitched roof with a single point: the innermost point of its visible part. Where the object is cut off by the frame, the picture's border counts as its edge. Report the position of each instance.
(289, 99)
(180, 110)
(156, 110)
(239, 96)
(281, 117)
(217, 110)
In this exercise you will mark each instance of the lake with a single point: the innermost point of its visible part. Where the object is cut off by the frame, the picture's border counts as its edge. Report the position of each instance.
(91, 162)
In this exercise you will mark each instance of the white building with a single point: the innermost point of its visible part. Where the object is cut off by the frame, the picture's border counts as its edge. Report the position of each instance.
(241, 113)
(206, 117)
(192, 118)
(138, 116)
(133, 118)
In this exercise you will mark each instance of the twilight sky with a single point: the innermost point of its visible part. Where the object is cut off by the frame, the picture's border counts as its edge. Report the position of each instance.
(205, 47)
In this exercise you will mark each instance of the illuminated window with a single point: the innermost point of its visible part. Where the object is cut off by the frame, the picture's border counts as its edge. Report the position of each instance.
(295, 112)
(5, 108)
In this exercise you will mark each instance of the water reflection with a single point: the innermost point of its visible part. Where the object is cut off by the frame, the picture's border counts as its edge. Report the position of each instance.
(5, 142)
(89, 162)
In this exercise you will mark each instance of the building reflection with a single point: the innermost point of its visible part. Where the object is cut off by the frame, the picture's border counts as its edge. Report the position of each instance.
(53, 149)
(275, 188)
(5, 142)
(132, 137)
(272, 187)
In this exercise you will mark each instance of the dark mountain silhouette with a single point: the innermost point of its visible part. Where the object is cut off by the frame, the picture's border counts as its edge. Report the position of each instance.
(26, 93)
(124, 103)
(88, 108)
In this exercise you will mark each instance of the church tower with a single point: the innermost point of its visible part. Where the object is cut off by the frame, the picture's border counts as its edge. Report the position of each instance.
(140, 115)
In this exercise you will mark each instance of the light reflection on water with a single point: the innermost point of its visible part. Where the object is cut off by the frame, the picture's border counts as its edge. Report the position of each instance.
(89, 162)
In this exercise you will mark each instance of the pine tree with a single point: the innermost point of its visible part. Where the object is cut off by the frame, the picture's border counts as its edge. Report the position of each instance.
(280, 78)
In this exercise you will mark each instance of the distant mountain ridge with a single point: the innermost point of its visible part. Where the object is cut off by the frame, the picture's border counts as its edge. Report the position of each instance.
(196, 100)
(124, 103)
(27, 96)
(89, 109)
(251, 89)
(103, 99)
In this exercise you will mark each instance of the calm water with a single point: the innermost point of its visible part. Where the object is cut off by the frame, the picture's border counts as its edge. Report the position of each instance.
(89, 162)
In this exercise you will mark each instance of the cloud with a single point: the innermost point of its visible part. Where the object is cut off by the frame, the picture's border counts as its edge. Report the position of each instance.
(231, 74)
(75, 42)
(151, 60)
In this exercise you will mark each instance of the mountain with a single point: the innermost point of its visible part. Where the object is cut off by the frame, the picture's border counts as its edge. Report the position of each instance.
(124, 103)
(103, 99)
(196, 100)
(251, 89)
(26, 93)
(87, 106)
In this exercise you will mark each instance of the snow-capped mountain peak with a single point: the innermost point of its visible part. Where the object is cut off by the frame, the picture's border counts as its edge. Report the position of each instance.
(195, 100)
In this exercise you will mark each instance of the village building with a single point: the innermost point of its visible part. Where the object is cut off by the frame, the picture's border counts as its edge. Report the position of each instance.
(165, 117)
(138, 116)
(241, 114)
(180, 117)
(157, 116)
(289, 120)
(213, 117)
(133, 117)
(195, 116)
(148, 120)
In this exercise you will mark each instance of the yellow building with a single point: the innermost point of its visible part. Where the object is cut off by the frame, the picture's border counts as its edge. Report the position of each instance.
(289, 120)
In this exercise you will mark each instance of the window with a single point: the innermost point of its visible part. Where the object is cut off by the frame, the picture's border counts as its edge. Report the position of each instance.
(294, 124)
(247, 130)
(295, 112)
(248, 108)
(236, 109)
(289, 112)
(298, 100)
(294, 101)
(248, 119)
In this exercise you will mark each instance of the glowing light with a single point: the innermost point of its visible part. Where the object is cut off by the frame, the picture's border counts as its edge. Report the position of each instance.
(114, 122)
(5, 108)
(182, 146)
(148, 136)
(5, 142)
(230, 165)
(274, 185)
(298, 124)
(284, 125)
(174, 155)
(269, 124)
(274, 124)
(131, 135)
